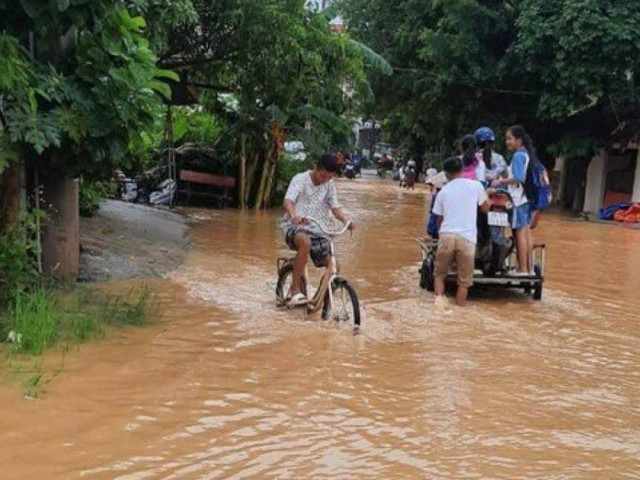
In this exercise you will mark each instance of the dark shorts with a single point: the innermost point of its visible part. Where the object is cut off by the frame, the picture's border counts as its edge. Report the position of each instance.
(320, 246)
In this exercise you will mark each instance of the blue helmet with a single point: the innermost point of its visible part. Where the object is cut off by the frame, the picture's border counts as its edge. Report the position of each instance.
(485, 134)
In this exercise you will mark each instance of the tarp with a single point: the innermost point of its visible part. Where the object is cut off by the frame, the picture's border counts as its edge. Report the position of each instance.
(630, 215)
(608, 213)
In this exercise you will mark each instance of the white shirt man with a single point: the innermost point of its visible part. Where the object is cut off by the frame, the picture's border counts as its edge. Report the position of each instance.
(457, 208)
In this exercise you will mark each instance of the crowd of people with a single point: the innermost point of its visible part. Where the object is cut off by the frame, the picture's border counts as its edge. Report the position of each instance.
(462, 189)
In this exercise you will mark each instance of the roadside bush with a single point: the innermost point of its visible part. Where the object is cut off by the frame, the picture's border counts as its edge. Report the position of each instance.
(195, 124)
(92, 193)
(18, 257)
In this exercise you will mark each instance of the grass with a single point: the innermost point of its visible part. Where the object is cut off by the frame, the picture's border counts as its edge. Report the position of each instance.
(45, 318)
(35, 322)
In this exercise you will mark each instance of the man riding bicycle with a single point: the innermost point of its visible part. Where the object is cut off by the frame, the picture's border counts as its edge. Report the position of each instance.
(310, 194)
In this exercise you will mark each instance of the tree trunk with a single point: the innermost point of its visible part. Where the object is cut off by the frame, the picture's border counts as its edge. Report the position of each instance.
(61, 232)
(267, 191)
(419, 149)
(251, 171)
(278, 147)
(10, 196)
(242, 173)
(263, 183)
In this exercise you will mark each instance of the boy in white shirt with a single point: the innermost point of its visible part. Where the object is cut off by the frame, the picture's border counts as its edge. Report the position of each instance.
(310, 194)
(457, 208)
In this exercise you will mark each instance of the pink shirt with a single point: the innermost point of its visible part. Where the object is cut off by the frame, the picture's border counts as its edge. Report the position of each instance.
(475, 171)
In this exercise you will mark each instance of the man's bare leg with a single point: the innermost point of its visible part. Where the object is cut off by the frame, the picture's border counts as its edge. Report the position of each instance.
(443, 262)
(303, 244)
(439, 286)
(461, 296)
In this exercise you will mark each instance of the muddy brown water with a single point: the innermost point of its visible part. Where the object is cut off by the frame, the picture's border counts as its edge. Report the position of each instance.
(227, 386)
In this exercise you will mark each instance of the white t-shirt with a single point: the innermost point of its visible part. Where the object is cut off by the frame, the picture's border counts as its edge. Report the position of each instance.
(315, 201)
(458, 203)
(497, 168)
(481, 171)
(518, 170)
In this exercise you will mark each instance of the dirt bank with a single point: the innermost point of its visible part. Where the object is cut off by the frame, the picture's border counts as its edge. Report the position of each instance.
(126, 240)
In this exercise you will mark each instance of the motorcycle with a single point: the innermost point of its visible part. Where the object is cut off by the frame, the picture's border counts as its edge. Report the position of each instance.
(357, 167)
(350, 170)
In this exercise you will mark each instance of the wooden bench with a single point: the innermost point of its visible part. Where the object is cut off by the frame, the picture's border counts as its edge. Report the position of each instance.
(189, 177)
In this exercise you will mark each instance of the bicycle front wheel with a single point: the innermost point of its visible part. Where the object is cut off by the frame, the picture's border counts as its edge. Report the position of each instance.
(345, 307)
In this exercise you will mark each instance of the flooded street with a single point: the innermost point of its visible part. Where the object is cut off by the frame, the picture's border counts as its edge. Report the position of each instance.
(227, 386)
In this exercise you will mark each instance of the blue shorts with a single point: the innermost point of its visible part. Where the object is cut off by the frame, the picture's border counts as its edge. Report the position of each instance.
(521, 217)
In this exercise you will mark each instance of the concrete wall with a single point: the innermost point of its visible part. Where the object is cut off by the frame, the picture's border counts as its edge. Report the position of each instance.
(596, 178)
(636, 186)
(558, 179)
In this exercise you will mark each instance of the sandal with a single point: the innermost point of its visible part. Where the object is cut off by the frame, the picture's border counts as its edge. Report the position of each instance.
(298, 300)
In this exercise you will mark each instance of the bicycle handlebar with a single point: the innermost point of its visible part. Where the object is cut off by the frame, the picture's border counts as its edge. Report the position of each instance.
(326, 232)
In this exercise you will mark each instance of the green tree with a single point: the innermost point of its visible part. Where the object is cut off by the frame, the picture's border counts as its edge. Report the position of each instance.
(79, 83)
(447, 61)
(579, 53)
(462, 63)
(274, 71)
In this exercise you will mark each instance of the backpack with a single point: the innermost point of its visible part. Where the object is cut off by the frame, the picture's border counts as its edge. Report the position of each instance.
(537, 186)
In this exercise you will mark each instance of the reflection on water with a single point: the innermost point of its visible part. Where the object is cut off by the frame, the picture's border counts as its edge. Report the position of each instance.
(230, 387)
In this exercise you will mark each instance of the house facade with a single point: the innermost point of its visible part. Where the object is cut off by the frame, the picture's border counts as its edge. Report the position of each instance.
(611, 176)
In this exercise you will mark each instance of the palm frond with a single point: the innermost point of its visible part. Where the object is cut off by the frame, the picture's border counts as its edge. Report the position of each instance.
(374, 59)
(277, 115)
(330, 120)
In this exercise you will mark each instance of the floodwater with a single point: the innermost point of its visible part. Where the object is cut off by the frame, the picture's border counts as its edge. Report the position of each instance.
(227, 386)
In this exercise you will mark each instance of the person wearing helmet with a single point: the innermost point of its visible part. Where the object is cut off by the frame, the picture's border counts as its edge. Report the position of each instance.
(496, 166)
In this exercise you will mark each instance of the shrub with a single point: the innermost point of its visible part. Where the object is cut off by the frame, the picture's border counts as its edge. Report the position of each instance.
(91, 196)
(18, 257)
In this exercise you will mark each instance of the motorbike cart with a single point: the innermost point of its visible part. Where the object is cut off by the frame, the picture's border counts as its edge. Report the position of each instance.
(496, 262)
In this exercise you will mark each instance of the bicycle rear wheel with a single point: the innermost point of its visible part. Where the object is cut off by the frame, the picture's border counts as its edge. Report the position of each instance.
(283, 287)
(346, 306)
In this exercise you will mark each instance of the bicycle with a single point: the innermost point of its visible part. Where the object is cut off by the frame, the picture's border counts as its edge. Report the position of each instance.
(339, 302)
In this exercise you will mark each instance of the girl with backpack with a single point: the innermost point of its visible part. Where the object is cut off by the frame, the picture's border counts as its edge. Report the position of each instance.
(520, 143)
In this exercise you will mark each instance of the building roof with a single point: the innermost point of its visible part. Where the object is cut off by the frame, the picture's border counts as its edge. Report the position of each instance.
(604, 121)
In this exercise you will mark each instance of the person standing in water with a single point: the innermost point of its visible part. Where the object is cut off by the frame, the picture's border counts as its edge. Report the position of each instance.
(457, 209)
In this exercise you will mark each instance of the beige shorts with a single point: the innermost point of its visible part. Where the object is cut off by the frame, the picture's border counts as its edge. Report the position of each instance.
(455, 247)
